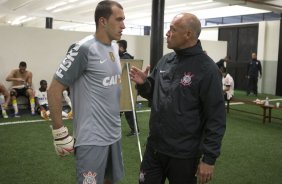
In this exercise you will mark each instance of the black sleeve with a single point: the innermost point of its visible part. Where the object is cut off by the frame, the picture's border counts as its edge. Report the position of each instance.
(248, 67)
(260, 69)
(213, 115)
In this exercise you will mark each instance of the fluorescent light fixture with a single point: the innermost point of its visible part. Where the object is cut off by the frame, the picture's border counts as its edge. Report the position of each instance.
(86, 2)
(62, 9)
(20, 20)
(27, 19)
(56, 5)
(17, 20)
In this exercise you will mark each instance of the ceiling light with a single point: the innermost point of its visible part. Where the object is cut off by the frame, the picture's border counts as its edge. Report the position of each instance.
(17, 20)
(20, 20)
(62, 9)
(56, 5)
(86, 2)
(27, 19)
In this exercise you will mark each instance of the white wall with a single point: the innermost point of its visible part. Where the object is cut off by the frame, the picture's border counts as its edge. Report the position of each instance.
(44, 49)
(209, 34)
(268, 47)
(139, 47)
(209, 37)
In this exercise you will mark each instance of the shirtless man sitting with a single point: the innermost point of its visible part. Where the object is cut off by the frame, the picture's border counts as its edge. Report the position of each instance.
(21, 86)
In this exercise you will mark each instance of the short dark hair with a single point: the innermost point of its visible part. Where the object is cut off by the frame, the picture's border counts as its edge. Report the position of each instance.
(104, 9)
(223, 69)
(43, 81)
(122, 43)
(22, 64)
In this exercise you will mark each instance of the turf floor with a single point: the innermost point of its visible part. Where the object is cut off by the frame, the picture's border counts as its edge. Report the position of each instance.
(251, 151)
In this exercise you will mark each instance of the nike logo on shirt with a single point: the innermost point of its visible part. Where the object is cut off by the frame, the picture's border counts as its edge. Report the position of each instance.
(103, 61)
(162, 71)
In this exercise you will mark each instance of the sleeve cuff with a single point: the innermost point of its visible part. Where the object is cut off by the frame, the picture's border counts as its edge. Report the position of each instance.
(209, 160)
(144, 86)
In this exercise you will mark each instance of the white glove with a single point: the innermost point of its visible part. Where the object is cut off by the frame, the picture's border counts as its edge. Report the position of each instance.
(63, 142)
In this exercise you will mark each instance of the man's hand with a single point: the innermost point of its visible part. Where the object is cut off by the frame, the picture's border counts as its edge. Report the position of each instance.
(204, 172)
(63, 142)
(138, 76)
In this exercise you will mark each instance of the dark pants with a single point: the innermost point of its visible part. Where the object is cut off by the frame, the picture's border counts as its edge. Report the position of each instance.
(130, 120)
(157, 167)
(252, 85)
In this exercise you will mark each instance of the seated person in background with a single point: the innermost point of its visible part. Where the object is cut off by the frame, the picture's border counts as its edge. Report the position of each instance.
(227, 84)
(21, 86)
(223, 62)
(68, 100)
(42, 101)
(4, 100)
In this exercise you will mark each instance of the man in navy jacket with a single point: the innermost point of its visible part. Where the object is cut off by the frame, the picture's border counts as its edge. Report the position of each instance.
(187, 121)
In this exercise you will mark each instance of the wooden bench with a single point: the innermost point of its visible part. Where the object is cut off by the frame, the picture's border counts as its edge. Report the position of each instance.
(266, 109)
(267, 112)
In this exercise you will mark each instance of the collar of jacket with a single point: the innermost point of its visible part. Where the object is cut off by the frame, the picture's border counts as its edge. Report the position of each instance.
(195, 50)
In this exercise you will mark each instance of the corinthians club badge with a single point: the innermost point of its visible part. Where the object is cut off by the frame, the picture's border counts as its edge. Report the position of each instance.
(112, 56)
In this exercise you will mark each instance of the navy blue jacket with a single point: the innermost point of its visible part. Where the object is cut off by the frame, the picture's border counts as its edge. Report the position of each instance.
(125, 55)
(254, 67)
(188, 111)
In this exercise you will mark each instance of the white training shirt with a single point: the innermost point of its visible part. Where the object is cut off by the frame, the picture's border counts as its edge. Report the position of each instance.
(228, 81)
(42, 97)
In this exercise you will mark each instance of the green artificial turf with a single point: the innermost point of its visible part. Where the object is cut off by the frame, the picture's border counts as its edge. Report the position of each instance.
(251, 151)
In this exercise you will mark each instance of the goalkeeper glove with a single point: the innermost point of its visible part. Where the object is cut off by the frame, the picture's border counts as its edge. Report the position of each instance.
(63, 142)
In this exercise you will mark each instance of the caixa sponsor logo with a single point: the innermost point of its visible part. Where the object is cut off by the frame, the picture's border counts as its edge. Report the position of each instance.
(67, 62)
(112, 80)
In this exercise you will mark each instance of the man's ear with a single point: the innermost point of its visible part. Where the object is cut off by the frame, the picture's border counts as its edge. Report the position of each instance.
(102, 21)
(189, 34)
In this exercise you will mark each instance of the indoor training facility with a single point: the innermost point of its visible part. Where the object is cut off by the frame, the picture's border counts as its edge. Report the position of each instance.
(39, 32)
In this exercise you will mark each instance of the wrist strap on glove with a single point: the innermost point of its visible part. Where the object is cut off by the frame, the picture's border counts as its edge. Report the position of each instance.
(60, 133)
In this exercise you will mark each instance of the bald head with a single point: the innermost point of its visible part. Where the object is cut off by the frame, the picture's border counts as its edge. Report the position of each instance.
(191, 22)
(184, 32)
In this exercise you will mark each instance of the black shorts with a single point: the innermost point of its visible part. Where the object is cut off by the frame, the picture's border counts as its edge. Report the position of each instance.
(157, 167)
(20, 92)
